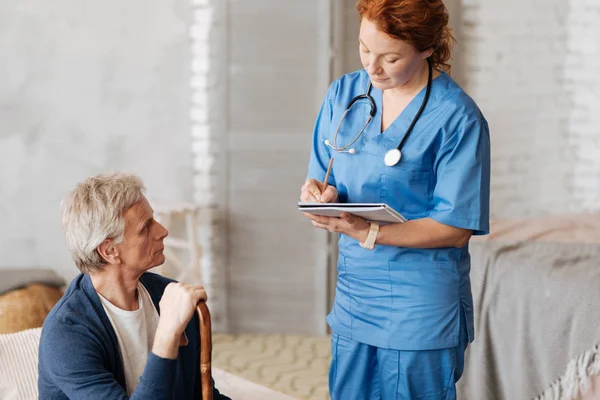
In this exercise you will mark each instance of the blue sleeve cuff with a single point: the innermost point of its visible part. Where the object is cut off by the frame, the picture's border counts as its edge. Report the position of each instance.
(477, 226)
(159, 373)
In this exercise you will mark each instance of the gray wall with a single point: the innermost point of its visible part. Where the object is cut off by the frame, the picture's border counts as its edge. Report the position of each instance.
(87, 87)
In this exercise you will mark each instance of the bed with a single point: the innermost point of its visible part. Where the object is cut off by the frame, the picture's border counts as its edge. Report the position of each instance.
(536, 292)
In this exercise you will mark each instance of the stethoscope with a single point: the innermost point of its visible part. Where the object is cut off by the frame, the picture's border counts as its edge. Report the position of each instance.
(392, 157)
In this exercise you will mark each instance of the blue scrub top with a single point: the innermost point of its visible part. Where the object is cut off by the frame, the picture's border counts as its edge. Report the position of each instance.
(395, 297)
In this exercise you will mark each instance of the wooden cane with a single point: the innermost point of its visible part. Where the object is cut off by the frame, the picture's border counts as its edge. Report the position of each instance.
(205, 350)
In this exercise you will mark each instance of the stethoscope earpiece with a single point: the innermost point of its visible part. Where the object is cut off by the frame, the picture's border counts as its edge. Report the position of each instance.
(350, 151)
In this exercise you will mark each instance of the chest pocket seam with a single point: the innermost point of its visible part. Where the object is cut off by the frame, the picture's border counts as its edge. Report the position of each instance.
(416, 200)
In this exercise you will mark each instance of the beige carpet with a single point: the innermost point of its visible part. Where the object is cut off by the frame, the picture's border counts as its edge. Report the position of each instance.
(294, 365)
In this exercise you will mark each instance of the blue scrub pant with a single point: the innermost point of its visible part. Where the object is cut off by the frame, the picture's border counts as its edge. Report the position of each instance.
(362, 372)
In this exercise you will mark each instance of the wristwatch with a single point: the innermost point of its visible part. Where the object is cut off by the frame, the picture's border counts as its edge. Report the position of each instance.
(369, 244)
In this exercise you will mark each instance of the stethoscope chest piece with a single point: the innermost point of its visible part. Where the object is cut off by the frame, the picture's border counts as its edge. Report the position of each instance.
(392, 157)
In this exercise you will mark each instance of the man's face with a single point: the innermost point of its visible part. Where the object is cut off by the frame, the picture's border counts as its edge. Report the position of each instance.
(142, 247)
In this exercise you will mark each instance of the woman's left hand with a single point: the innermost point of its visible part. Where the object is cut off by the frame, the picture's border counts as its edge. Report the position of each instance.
(348, 224)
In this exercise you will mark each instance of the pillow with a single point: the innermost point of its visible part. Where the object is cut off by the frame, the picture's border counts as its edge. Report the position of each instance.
(26, 308)
(19, 364)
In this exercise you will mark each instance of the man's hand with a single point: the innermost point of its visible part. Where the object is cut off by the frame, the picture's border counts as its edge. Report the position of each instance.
(177, 307)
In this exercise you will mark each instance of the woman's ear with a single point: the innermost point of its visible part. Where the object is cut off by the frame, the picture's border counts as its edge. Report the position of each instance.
(109, 252)
(427, 53)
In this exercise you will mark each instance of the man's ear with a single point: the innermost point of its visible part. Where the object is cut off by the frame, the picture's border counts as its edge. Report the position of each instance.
(109, 252)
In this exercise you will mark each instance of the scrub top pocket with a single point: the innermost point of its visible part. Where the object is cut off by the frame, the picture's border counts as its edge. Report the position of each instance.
(408, 192)
(426, 301)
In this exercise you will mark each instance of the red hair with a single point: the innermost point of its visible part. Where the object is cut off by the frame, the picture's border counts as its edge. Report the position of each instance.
(422, 23)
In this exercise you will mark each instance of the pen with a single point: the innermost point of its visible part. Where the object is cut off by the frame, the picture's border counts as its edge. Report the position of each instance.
(327, 175)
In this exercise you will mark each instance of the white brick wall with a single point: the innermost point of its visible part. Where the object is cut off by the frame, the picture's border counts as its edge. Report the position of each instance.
(208, 34)
(582, 84)
(533, 68)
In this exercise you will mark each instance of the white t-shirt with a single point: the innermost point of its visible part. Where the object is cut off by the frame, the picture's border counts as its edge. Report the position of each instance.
(135, 332)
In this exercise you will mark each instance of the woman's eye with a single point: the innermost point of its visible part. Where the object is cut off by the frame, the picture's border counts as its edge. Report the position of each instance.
(392, 61)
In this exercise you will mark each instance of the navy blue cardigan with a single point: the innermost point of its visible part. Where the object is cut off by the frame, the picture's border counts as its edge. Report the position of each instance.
(79, 354)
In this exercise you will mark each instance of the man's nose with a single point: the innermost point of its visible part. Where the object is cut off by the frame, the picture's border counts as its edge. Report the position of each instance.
(163, 232)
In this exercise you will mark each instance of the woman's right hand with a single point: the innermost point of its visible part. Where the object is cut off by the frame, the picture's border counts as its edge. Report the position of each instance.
(311, 192)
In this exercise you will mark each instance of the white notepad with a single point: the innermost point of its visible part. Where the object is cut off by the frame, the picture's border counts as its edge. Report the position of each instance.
(376, 212)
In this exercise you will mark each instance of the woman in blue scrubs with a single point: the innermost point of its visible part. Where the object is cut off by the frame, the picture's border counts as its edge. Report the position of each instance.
(403, 311)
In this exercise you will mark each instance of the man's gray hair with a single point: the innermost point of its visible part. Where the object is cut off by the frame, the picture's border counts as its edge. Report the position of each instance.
(93, 212)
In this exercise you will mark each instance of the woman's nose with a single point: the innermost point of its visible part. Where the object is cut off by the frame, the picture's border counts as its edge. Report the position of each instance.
(373, 66)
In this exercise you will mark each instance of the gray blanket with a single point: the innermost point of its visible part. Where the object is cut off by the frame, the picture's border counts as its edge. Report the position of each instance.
(537, 306)
(11, 279)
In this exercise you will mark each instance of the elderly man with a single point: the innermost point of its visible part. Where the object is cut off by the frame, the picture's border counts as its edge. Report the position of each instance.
(119, 331)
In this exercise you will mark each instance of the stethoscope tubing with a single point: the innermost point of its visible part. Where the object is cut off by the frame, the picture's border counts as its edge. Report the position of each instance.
(373, 109)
